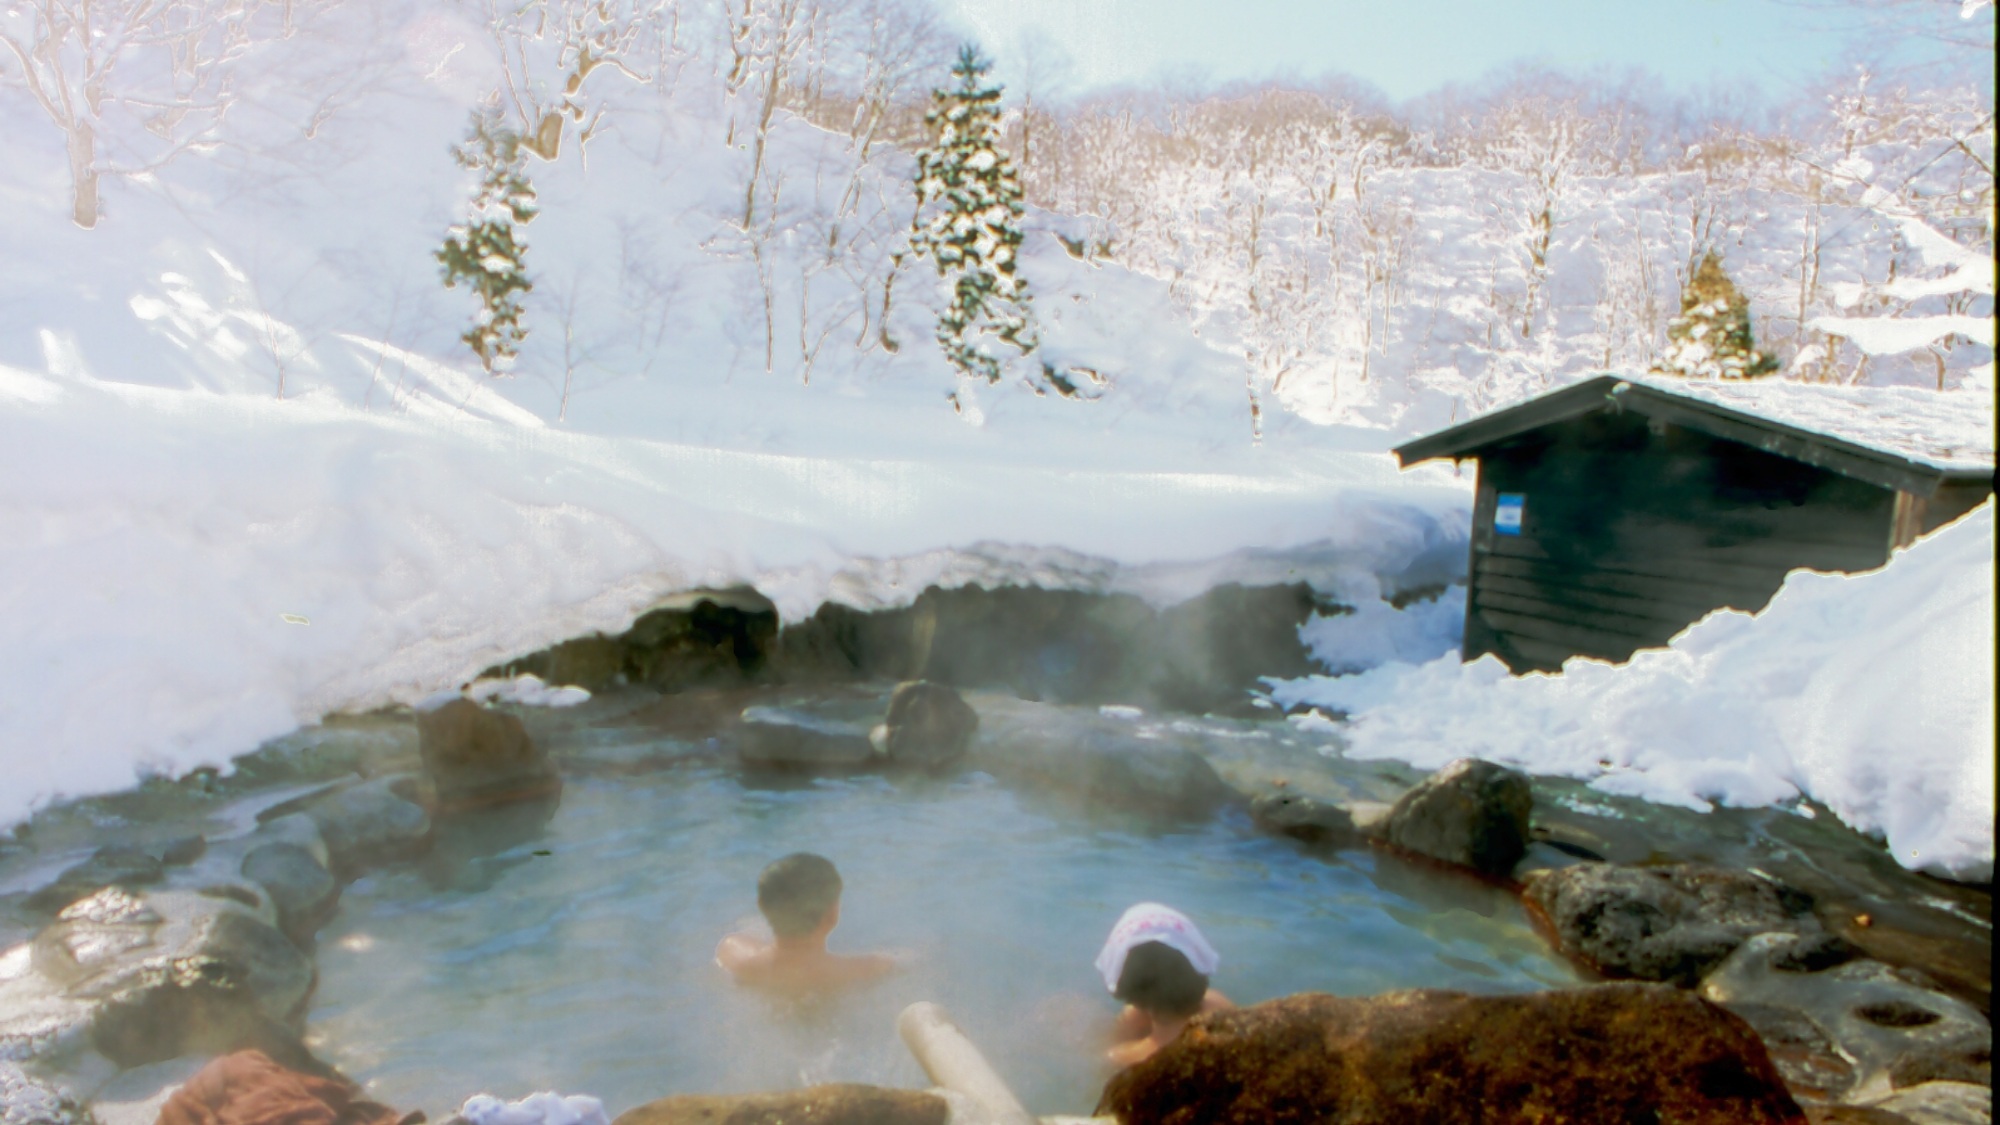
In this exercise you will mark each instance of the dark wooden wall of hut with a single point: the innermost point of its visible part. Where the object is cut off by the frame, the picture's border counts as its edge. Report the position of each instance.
(1633, 529)
(1953, 499)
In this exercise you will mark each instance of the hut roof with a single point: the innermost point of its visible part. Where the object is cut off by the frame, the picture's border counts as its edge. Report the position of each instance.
(1897, 437)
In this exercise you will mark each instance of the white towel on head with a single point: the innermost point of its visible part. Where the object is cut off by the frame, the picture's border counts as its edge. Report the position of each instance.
(545, 1108)
(1150, 921)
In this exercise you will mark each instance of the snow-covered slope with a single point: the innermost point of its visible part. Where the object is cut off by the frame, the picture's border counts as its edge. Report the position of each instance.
(184, 574)
(1872, 694)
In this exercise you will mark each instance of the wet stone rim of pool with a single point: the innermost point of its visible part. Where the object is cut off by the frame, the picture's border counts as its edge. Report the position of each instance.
(163, 944)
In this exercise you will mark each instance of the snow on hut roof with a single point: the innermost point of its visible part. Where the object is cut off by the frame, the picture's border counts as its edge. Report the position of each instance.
(1944, 429)
(1898, 437)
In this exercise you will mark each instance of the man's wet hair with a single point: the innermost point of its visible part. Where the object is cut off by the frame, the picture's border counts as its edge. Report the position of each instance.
(1157, 978)
(796, 892)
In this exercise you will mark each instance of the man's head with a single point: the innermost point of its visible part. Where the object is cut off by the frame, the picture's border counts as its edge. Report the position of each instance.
(1158, 978)
(798, 893)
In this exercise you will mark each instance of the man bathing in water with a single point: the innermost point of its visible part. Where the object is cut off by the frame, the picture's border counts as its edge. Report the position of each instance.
(1159, 964)
(799, 896)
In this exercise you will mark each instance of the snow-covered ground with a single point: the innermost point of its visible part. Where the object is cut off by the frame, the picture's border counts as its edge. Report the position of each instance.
(1872, 694)
(249, 476)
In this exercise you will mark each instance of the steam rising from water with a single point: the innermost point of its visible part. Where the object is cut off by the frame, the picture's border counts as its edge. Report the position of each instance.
(589, 969)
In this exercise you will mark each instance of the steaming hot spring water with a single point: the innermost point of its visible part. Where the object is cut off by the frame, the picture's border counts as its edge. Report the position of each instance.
(578, 954)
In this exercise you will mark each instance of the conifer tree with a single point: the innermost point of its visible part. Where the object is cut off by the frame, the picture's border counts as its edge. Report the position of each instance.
(1711, 338)
(968, 222)
(487, 252)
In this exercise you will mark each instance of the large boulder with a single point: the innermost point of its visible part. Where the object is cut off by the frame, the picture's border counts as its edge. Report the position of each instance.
(929, 726)
(1101, 764)
(1470, 813)
(1840, 1114)
(370, 824)
(789, 738)
(303, 891)
(1892, 1025)
(299, 829)
(111, 866)
(1942, 1103)
(1302, 818)
(474, 757)
(1607, 1053)
(1810, 1062)
(39, 1022)
(1670, 923)
(172, 972)
(183, 850)
(843, 1104)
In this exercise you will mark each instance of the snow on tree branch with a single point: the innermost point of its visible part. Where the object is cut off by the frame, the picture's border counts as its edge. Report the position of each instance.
(968, 223)
(487, 253)
(549, 49)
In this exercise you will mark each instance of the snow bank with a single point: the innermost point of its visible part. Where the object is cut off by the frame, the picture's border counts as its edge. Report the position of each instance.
(184, 574)
(1872, 694)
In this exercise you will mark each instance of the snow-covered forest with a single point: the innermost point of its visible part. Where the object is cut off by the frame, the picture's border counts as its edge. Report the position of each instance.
(1484, 246)
(1339, 258)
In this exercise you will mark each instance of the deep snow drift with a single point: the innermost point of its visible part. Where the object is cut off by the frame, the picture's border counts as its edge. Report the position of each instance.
(1871, 694)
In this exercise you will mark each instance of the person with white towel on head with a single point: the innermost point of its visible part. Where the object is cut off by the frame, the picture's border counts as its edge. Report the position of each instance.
(1159, 964)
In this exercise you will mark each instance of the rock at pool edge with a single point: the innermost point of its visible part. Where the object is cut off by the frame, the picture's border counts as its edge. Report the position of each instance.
(1605, 1053)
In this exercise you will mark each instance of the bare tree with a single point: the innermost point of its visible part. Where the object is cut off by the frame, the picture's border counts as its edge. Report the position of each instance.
(1543, 141)
(1043, 72)
(132, 83)
(766, 39)
(1921, 168)
(549, 49)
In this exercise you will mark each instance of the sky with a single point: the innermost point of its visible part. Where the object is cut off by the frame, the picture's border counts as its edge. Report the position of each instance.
(1408, 50)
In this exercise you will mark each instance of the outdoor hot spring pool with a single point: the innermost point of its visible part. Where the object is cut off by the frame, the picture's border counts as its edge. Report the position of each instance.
(580, 958)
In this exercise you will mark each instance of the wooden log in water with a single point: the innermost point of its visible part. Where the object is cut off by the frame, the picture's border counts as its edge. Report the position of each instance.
(952, 1062)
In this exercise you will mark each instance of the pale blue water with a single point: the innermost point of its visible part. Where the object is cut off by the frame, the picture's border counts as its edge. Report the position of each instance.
(589, 969)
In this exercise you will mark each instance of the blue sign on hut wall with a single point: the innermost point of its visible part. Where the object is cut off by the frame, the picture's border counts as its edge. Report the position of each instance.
(1658, 500)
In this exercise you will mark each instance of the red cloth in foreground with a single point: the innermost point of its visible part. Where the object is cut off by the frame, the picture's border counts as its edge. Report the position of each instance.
(247, 1088)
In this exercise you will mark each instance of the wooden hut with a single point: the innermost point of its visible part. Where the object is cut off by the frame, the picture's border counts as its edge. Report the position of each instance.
(1613, 513)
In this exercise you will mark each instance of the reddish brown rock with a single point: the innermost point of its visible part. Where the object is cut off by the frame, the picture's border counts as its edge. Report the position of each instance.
(474, 757)
(841, 1104)
(1583, 1056)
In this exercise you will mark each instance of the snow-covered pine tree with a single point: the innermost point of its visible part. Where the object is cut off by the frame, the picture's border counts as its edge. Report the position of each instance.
(968, 222)
(487, 251)
(1711, 338)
